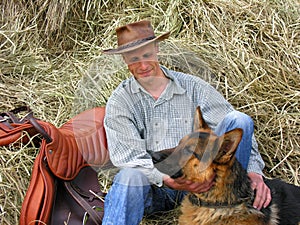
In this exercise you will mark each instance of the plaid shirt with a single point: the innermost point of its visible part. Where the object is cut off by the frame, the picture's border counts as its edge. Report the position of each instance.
(137, 124)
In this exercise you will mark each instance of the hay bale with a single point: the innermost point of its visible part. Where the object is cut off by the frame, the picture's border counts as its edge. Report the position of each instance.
(51, 60)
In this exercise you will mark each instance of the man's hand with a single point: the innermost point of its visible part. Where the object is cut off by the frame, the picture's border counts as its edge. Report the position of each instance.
(263, 194)
(188, 185)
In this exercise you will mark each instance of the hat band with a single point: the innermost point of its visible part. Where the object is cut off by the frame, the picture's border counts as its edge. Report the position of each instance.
(134, 43)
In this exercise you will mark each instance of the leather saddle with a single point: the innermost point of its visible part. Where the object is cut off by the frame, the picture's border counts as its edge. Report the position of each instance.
(64, 185)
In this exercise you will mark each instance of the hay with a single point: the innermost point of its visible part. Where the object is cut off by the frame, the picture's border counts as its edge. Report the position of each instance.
(51, 60)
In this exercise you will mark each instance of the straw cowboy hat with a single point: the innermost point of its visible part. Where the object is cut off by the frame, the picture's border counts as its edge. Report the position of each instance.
(135, 35)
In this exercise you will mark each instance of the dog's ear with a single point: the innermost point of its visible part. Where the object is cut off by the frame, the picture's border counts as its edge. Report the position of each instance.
(229, 144)
(199, 122)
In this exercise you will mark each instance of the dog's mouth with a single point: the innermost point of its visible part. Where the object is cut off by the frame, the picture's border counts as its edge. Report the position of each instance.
(170, 162)
(177, 175)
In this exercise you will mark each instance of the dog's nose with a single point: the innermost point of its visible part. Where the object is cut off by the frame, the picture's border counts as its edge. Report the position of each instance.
(177, 175)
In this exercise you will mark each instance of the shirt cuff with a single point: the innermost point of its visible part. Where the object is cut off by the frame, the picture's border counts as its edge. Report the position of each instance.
(154, 175)
(254, 169)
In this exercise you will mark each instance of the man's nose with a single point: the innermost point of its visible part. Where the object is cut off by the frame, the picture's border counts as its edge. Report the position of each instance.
(143, 65)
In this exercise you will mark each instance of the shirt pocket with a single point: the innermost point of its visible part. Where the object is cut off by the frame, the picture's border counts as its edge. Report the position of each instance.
(166, 133)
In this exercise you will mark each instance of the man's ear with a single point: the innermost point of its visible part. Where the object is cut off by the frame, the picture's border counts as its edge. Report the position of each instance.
(156, 47)
(125, 59)
(199, 122)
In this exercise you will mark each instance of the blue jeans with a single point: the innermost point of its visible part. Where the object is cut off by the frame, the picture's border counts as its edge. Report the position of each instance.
(132, 196)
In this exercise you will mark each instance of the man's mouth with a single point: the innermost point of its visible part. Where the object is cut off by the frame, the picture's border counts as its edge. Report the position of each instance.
(145, 73)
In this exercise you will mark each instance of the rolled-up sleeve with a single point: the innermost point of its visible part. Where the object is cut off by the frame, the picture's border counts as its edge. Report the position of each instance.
(256, 163)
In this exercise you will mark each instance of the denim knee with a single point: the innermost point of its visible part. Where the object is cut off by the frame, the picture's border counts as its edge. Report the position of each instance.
(125, 200)
(239, 119)
(131, 177)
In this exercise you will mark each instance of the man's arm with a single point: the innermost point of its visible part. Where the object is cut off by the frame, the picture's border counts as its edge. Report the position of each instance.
(256, 164)
(263, 194)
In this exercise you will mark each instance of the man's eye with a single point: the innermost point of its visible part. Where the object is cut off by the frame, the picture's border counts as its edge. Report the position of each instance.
(135, 59)
(147, 55)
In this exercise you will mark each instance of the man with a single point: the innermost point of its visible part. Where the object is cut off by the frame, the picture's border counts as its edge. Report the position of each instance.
(152, 111)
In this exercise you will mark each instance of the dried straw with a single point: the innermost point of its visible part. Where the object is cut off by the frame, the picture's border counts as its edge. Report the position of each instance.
(51, 61)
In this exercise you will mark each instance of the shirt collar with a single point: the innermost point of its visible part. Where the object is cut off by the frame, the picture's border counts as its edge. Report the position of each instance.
(174, 86)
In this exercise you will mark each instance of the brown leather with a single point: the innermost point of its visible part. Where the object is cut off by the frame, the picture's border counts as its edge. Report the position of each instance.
(12, 127)
(78, 143)
(135, 35)
(10, 134)
(37, 204)
(64, 151)
(74, 201)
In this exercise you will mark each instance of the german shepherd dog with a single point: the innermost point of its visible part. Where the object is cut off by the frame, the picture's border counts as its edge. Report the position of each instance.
(201, 155)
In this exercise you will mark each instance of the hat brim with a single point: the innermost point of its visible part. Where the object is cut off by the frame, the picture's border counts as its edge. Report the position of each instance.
(128, 48)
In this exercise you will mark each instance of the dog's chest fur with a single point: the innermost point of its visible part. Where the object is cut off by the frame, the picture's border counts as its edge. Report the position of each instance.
(239, 215)
(228, 202)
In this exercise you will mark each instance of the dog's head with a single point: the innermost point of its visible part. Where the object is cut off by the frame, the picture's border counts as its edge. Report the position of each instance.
(199, 153)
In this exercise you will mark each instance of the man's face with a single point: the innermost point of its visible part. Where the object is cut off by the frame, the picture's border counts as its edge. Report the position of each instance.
(143, 62)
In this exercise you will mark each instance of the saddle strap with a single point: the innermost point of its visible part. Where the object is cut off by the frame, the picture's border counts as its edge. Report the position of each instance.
(12, 126)
(82, 202)
(10, 115)
(33, 121)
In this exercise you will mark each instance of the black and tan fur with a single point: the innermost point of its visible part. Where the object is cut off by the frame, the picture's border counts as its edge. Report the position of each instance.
(202, 154)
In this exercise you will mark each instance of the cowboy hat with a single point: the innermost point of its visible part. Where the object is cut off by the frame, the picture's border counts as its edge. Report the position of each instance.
(135, 35)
